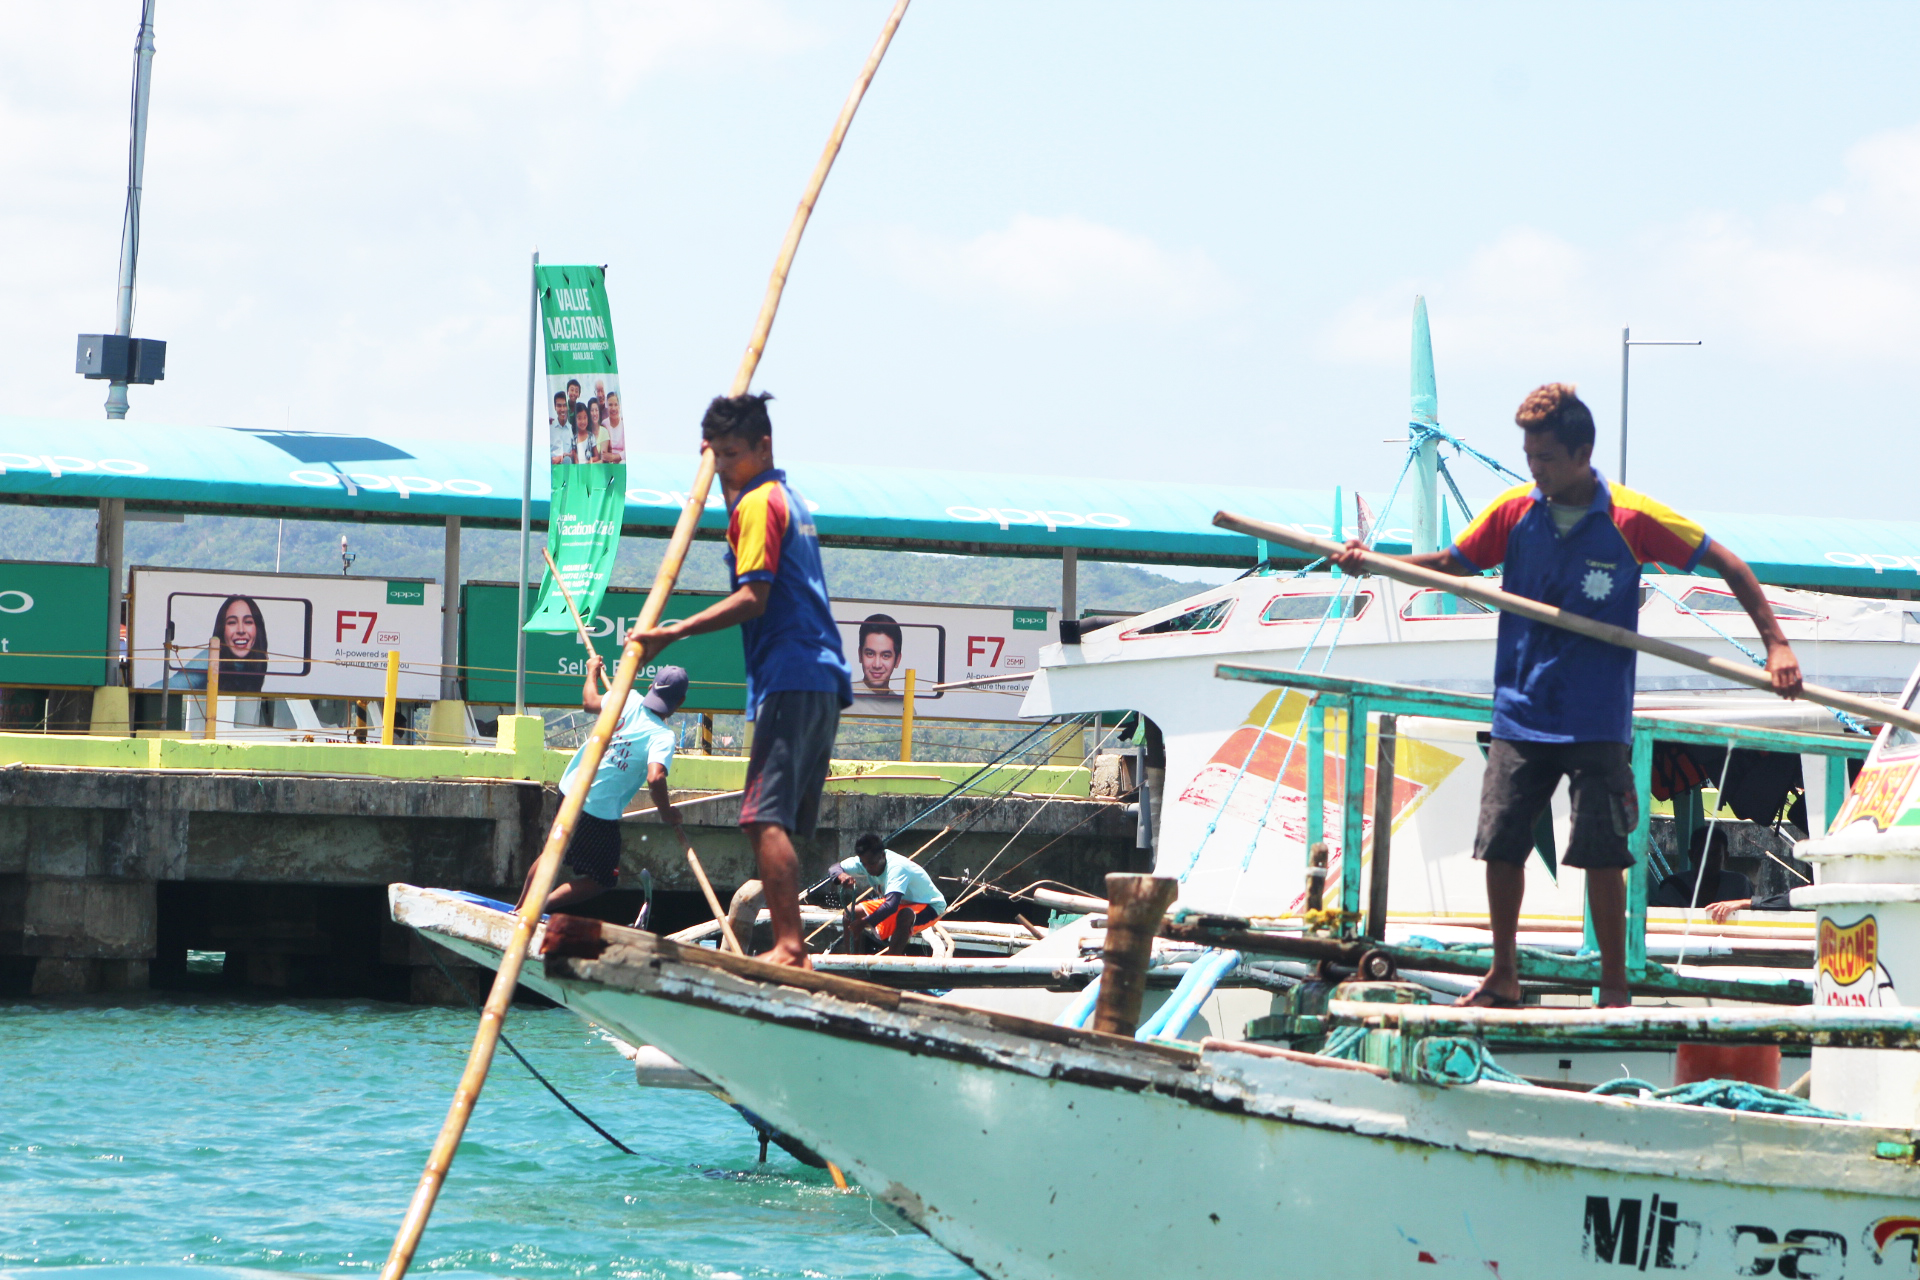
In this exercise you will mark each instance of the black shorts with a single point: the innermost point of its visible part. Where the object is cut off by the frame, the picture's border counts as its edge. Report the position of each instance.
(792, 749)
(1520, 780)
(595, 851)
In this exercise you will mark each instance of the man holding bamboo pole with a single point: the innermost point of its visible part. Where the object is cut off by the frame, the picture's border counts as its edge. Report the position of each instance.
(641, 750)
(1563, 702)
(797, 675)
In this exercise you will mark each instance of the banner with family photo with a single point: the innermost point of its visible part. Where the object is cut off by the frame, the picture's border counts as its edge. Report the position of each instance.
(587, 439)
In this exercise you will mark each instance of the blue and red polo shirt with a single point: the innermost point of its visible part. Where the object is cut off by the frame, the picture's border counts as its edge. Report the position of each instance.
(794, 644)
(1551, 685)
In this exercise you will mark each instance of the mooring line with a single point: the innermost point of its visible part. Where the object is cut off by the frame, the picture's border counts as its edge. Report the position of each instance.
(532, 1070)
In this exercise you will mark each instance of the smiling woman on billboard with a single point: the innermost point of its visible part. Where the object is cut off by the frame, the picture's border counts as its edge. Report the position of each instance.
(240, 629)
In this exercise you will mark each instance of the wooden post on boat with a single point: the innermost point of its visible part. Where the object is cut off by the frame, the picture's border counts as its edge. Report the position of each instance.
(1383, 770)
(1135, 907)
(1317, 876)
(507, 977)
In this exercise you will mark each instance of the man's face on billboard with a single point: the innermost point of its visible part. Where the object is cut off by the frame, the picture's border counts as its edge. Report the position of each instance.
(878, 658)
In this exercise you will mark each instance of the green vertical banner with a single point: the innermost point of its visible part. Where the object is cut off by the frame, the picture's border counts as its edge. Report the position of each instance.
(588, 441)
(583, 536)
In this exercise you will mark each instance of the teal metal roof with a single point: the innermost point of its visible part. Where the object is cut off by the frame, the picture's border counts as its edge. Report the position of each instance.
(395, 478)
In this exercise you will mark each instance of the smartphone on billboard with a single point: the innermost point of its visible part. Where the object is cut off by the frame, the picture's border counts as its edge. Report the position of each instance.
(258, 636)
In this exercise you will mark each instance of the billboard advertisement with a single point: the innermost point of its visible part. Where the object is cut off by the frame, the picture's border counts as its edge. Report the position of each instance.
(941, 643)
(297, 635)
(53, 623)
(882, 639)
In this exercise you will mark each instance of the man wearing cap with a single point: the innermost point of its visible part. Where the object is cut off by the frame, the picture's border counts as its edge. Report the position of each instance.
(640, 750)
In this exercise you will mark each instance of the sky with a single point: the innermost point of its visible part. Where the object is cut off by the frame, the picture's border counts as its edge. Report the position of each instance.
(1173, 242)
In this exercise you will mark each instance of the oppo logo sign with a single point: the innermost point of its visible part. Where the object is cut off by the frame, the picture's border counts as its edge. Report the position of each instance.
(402, 485)
(54, 464)
(15, 602)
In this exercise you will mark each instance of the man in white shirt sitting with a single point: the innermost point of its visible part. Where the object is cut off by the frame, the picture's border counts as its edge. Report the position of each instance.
(905, 893)
(640, 750)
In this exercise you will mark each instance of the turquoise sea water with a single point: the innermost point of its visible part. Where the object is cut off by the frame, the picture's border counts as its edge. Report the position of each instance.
(161, 1138)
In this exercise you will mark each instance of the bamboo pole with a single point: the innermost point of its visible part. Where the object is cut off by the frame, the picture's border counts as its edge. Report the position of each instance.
(1474, 589)
(391, 703)
(706, 887)
(507, 977)
(573, 609)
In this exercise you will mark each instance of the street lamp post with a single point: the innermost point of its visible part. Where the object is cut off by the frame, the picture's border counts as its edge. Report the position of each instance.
(1627, 343)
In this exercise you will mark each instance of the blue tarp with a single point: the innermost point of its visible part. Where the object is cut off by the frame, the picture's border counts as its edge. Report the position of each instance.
(234, 471)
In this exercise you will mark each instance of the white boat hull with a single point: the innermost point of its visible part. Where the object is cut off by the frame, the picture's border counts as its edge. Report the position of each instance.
(1037, 1153)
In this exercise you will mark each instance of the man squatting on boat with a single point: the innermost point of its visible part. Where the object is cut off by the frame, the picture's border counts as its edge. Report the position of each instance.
(907, 893)
(641, 749)
(797, 677)
(1563, 703)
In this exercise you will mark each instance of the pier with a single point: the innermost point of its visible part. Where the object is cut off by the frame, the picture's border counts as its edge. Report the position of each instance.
(120, 856)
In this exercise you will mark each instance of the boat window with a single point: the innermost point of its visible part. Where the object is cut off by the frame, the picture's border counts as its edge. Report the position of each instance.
(1431, 603)
(1195, 621)
(1312, 608)
(1707, 600)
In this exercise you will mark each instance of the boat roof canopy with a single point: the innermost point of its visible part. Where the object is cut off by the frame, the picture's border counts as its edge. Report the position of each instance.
(324, 476)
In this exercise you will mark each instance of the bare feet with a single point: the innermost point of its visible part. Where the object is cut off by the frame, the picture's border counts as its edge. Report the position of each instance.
(792, 955)
(1493, 993)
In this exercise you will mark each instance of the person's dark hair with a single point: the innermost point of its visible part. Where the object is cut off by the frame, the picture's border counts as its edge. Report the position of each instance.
(573, 384)
(1716, 856)
(744, 417)
(880, 624)
(1557, 409)
(868, 843)
(579, 412)
(238, 674)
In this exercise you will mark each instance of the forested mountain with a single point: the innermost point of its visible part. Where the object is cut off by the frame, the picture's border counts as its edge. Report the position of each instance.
(407, 551)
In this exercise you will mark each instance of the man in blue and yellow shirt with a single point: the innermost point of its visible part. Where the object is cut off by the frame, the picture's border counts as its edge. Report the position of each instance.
(1563, 703)
(797, 676)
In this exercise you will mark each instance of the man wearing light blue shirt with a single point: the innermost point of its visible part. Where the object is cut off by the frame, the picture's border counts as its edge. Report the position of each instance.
(640, 750)
(906, 893)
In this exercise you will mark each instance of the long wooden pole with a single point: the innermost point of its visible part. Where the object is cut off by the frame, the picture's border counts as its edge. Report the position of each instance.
(1474, 589)
(507, 977)
(572, 608)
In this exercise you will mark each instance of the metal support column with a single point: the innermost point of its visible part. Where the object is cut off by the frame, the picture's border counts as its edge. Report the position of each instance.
(109, 549)
(136, 177)
(526, 493)
(1070, 584)
(450, 614)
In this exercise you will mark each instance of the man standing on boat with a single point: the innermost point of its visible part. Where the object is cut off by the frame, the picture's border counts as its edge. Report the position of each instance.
(1563, 703)
(641, 750)
(797, 677)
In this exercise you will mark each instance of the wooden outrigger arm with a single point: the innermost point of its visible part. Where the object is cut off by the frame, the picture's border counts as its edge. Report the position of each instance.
(1505, 601)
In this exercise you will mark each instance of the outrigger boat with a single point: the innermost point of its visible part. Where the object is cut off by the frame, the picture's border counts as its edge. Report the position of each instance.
(1413, 1154)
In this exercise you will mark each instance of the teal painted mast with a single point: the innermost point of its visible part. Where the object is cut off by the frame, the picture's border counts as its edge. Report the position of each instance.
(1425, 412)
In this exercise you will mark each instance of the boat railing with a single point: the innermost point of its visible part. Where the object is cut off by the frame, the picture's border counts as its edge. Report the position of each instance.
(1357, 700)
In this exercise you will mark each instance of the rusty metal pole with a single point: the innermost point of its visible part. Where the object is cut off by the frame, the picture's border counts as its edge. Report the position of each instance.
(1383, 770)
(1135, 907)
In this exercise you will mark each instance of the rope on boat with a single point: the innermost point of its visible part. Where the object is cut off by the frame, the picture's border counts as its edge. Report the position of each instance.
(1465, 1060)
(1730, 1095)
